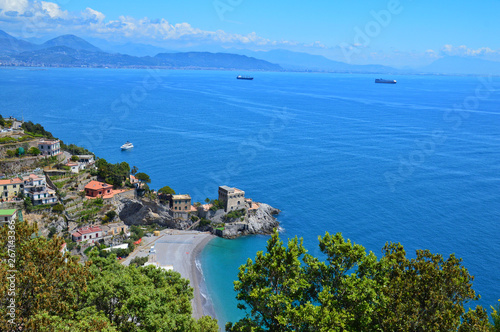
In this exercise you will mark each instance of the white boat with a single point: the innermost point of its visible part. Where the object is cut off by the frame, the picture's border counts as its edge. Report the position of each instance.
(127, 146)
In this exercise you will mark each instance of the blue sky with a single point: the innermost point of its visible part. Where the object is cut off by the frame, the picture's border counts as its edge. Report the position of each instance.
(398, 32)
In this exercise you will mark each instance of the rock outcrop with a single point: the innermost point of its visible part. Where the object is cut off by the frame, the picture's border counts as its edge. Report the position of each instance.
(146, 212)
(260, 221)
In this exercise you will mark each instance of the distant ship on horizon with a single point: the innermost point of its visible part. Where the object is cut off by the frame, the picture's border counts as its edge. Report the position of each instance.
(239, 77)
(381, 80)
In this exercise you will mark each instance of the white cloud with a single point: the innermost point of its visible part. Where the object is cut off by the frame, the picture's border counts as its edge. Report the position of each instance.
(19, 6)
(53, 10)
(92, 15)
(463, 50)
(46, 16)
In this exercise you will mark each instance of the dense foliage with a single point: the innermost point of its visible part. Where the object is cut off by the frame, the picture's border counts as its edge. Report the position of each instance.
(166, 191)
(115, 174)
(56, 293)
(75, 149)
(287, 289)
(143, 177)
(36, 130)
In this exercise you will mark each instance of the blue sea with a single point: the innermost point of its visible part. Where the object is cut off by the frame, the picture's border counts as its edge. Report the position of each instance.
(417, 162)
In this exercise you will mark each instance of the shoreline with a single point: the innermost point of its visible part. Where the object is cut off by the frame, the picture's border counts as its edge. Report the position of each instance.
(201, 304)
(172, 247)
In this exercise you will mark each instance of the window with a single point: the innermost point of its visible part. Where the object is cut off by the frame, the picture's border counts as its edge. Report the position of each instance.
(85, 236)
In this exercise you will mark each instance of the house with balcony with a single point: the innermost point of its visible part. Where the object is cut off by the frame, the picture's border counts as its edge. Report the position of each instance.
(35, 187)
(49, 148)
(86, 159)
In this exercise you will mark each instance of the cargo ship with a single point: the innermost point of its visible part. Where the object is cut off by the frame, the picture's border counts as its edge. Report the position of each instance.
(380, 80)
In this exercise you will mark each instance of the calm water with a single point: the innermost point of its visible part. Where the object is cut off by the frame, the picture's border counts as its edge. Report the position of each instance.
(335, 153)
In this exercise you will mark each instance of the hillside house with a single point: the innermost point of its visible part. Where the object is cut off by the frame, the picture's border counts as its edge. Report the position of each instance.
(90, 234)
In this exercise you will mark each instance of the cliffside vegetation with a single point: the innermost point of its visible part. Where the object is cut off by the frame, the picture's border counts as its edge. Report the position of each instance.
(55, 293)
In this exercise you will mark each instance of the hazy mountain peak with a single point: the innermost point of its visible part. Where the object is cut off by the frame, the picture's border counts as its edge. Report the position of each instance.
(71, 41)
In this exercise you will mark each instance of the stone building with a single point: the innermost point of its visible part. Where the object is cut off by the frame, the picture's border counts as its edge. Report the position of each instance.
(180, 205)
(231, 198)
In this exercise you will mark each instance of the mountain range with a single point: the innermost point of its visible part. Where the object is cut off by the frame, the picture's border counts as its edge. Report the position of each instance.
(72, 51)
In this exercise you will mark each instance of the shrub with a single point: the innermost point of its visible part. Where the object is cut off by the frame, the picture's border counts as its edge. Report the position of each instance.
(58, 208)
(111, 215)
(139, 261)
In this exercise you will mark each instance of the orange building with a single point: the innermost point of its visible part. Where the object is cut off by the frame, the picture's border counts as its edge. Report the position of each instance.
(98, 189)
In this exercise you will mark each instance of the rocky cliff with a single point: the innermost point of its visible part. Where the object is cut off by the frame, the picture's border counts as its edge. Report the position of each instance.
(146, 212)
(260, 221)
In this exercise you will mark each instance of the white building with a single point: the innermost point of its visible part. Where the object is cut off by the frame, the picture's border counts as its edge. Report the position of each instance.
(49, 148)
(90, 234)
(7, 216)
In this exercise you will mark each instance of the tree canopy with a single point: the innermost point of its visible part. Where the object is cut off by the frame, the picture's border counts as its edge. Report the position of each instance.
(143, 177)
(36, 129)
(167, 191)
(115, 174)
(54, 292)
(286, 289)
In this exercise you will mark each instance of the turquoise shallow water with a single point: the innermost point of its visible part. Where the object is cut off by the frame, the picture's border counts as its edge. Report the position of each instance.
(337, 153)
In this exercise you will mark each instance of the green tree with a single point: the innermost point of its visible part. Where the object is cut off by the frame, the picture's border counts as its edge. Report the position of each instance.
(11, 153)
(143, 177)
(287, 289)
(167, 191)
(2, 121)
(46, 281)
(34, 151)
(134, 170)
(54, 292)
(111, 215)
(75, 158)
(496, 318)
(425, 292)
(28, 205)
(142, 299)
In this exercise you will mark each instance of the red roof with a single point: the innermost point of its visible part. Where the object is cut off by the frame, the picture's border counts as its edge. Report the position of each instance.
(96, 185)
(86, 230)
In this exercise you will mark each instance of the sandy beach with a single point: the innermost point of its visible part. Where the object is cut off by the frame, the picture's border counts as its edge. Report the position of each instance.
(180, 249)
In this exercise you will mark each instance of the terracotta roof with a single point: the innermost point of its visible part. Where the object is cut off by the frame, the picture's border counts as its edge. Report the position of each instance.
(11, 181)
(96, 185)
(86, 230)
